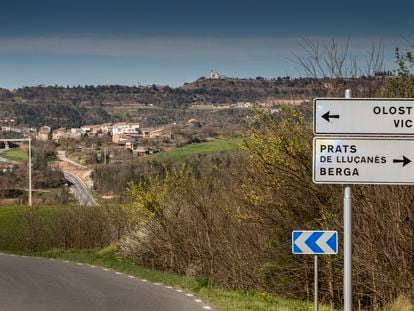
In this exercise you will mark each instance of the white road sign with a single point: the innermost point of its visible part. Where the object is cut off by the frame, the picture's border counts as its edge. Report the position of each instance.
(363, 116)
(351, 160)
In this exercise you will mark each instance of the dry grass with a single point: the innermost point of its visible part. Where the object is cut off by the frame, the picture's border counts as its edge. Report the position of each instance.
(401, 304)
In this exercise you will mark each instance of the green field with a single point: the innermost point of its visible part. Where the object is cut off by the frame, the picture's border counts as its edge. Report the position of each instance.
(228, 145)
(14, 154)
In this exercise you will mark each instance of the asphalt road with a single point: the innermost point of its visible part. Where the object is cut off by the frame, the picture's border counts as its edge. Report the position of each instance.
(39, 284)
(80, 190)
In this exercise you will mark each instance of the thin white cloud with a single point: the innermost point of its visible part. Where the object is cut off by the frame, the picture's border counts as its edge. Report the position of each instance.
(179, 47)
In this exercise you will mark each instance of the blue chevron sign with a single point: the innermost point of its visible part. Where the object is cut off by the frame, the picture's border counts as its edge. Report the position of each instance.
(315, 242)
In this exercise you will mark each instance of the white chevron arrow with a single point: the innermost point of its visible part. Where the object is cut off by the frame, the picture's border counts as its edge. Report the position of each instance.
(322, 242)
(300, 242)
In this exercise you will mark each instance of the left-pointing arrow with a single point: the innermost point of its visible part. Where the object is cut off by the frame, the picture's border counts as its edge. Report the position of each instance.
(404, 161)
(327, 116)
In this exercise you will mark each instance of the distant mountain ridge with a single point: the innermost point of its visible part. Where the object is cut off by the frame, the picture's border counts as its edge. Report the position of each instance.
(72, 106)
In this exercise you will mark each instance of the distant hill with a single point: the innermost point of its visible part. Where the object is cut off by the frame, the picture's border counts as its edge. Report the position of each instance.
(72, 106)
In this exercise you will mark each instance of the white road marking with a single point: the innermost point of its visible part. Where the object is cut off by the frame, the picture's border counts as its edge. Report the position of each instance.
(206, 308)
(168, 287)
(144, 280)
(179, 290)
(52, 259)
(189, 295)
(197, 300)
(92, 266)
(118, 273)
(104, 269)
(66, 261)
(79, 263)
(131, 276)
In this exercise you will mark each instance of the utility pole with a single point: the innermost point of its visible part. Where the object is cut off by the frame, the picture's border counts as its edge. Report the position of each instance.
(29, 162)
(30, 172)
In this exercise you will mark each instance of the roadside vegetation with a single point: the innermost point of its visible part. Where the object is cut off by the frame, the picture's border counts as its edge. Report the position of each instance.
(197, 149)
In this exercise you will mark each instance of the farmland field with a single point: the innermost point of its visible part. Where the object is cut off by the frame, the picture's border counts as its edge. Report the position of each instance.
(14, 154)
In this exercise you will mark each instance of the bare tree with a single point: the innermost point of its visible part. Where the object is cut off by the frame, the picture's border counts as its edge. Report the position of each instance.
(335, 60)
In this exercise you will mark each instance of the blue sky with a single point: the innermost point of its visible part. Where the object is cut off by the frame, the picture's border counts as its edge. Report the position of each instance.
(172, 42)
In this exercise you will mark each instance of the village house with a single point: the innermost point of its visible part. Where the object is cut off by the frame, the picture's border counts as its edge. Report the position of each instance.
(125, 128)
(44, 133)
(6, 129)
(29, 130)
(130, 142)
(106, 128)
(75, 133)
(64, 133)
(93, 130)
(155, 133)
(60, 133)
(145, 150)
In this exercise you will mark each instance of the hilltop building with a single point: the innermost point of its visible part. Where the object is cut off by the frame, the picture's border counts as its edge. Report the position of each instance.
(214, 75)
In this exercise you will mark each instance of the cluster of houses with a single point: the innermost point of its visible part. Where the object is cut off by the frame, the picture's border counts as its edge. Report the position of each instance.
(122, 133)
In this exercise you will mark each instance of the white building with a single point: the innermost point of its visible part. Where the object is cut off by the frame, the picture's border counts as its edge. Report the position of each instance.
(125, 128)
(214, 75)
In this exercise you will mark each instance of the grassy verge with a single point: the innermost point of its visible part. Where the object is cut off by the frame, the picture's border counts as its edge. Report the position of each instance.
(224, 300)
(14, 154)
(228, 145)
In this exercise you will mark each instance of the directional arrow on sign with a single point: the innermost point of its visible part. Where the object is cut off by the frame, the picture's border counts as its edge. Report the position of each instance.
(363, 116)
(315, 242)
(327, 116)
(347, 160)
(404, 161)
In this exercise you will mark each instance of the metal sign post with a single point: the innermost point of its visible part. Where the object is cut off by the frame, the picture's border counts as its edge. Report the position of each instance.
(348, 239)
(315, 282)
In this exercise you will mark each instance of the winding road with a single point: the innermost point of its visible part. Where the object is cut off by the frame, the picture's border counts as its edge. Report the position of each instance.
(41, 284)
(78, 186)
(80, 189)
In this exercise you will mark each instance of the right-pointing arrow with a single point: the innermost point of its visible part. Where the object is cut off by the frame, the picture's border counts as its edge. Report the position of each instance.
(404, 161)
